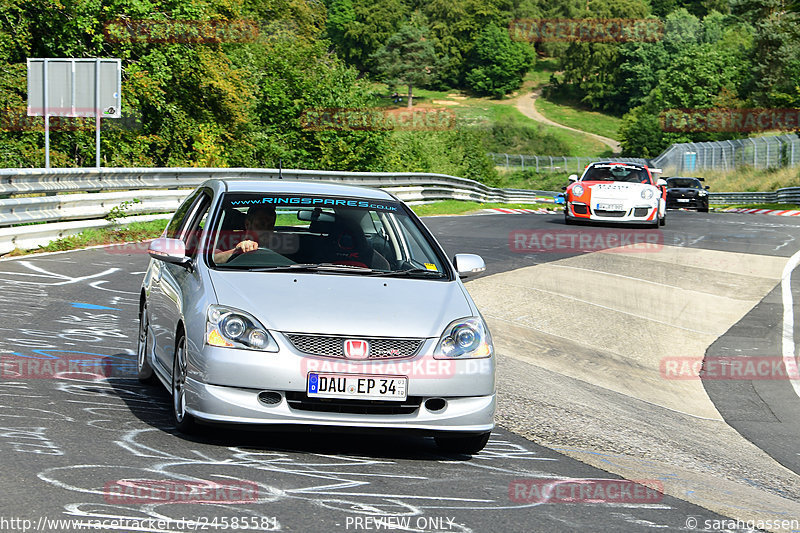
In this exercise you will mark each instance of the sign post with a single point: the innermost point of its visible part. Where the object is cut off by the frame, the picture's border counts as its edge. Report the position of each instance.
(74, 88)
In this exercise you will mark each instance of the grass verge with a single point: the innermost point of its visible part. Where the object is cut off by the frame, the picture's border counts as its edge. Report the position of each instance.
(460, 207)
(781, 207)
(576, 117)
(134, 232)
(749, 179)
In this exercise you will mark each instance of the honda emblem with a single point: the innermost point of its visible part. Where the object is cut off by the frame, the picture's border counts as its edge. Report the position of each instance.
(356, 349)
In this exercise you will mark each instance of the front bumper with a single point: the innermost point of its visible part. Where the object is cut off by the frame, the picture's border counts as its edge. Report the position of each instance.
(630, 213)
(693, 203)
(224, 384)
(221, 404)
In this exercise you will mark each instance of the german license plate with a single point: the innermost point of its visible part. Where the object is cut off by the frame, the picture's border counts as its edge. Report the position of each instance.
(610, 207)
(685, 200)
(356, 386)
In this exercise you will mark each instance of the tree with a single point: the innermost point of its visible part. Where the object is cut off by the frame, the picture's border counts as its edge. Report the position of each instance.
(408, 58)
(499, 64)
(772, 82)
(358, 28)
(704, 76)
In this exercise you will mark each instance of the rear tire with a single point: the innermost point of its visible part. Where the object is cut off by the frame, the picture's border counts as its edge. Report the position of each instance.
(466, 444)
(144, 372)
(184, 422)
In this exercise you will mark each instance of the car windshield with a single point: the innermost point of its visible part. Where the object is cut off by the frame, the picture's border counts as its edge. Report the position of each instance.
(321, 234)
(616, 173)
(684, 183)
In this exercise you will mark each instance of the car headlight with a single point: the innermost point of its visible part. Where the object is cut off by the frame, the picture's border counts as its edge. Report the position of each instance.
(466, 338)
(702, 193)
(577, 190)
(647, 194)
(232, 328)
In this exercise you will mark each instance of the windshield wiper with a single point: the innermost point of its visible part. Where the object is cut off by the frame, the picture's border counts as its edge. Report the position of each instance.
(314, 267)
(423, 272)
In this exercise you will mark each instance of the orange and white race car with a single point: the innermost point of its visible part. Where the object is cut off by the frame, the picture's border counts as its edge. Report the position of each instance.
(616, 192)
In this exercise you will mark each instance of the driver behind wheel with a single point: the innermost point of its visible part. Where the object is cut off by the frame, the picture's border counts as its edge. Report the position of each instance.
(259, 225)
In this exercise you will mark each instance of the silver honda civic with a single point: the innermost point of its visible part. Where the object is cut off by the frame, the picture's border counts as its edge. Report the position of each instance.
(291, 303)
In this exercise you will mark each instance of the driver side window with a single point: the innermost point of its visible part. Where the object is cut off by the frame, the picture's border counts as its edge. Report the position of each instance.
(195, 224)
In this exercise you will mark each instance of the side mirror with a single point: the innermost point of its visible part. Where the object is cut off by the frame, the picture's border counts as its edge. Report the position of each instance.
(468, 264)
(707, 187)
(169, 250)
(563, 188)
(573, 177)
(661, 182)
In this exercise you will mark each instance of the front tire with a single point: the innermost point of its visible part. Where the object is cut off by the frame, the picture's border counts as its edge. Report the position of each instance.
(184, 422)
(465, 444)
(144, 372)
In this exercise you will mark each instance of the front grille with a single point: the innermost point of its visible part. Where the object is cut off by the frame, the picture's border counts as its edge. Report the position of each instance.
(604, 213)
(641, 211)
(301, 401)
(333, 345)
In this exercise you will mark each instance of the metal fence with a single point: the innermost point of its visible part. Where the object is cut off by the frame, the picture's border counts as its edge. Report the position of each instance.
(554, 163)
(758, 152)
(160, 190)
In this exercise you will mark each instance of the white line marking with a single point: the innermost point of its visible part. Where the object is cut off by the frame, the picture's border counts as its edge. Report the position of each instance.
(789, 360)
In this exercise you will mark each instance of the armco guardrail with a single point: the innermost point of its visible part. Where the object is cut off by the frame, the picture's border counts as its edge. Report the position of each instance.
(160, 190)
(722, 198)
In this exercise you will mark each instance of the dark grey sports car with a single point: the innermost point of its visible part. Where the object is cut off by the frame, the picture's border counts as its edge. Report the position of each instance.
(687, 193)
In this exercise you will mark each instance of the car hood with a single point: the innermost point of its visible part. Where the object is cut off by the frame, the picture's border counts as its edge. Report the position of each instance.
(617, 189)
(343, 304)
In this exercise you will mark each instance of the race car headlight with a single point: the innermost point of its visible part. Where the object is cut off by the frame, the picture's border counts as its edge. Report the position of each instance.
(702, 193)
(232, 328)
(466, 338)
(577, 190)
(647, 194)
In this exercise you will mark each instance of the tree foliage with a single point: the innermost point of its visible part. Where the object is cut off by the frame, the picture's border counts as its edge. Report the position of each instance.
(498, 63)
(408, 58)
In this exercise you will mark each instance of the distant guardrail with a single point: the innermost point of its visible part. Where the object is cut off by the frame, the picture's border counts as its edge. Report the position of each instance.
(95, 192)
(786, 195)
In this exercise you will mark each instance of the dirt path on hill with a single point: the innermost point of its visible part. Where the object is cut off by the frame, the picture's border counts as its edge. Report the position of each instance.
(526, 104)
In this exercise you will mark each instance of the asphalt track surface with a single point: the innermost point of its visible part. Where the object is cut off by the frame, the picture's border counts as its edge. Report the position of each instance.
(67, 441)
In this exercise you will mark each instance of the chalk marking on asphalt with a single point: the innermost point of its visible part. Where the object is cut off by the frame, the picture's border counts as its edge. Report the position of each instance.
(789, 360)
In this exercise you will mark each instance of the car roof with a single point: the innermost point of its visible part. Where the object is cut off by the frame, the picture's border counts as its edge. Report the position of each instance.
(287, 186)
(638, 165)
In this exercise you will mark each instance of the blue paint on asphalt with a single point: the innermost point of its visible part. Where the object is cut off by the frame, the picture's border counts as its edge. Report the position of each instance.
(92, 306)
